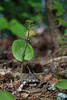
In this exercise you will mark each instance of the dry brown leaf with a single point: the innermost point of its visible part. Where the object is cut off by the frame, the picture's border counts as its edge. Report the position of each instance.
(47, 77)
(53, 80)
(40, 77)
(25, 95)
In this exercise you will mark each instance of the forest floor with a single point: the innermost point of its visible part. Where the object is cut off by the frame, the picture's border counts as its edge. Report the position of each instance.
(42, 70)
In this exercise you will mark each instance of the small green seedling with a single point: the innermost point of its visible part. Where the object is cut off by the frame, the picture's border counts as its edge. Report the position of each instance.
(21, 49)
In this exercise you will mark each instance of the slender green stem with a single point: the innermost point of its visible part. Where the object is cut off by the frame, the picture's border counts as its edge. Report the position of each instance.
(59, 69)
(23, 62)
(60, 63)
(24, 54)
(21, 71)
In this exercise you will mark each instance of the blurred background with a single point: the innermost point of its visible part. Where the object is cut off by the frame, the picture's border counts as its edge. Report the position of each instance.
(14, 13)
(22, 10)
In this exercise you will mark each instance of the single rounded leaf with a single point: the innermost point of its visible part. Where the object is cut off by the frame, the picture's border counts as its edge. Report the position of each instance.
(18, 49)
(62, 84)
(4, 95)
(17, 28)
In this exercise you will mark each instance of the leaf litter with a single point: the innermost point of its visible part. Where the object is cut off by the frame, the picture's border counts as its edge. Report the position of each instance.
(38, 73)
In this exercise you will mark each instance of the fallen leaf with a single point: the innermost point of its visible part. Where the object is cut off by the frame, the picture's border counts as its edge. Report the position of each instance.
(53, 80)
(47, 77)
(25, 95)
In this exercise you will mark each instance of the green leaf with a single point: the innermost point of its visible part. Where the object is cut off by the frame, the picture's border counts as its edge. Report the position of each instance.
(1, 8)
(65, 31)
(62, 84)
(3, 23)
(60, 12)
(65, 24)
(63, 38)
(59, 7)
(18, 49)
(25, 14)
(6, 96)
(61, 20)
(34, 4)
(17, 28)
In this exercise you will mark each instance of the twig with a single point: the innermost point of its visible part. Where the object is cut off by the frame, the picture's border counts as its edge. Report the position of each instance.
(7, 62)
(22, 85)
